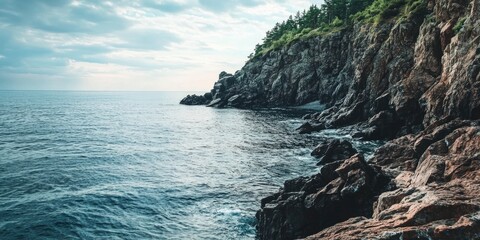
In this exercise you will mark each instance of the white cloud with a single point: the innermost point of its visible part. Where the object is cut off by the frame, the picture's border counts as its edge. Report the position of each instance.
(126, 45)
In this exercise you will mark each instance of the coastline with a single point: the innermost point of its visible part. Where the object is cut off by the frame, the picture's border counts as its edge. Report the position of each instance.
(412, 82)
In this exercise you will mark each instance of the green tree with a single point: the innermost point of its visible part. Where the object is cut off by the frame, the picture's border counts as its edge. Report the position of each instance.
(330, 15)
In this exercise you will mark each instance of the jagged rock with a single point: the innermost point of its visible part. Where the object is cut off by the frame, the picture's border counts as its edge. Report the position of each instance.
(333, 150)
(415, 70)
(307, 205)
(397, 154)
(383, 125)
(216, 103)
(194, 100)
(446, 34)
(234, 100)
(310, 127)
(219, 96)
(224, 74)
(208, 96)
(408, 79)
(439, 200)
(307, 117)
(404, 153)
(440, 203)
(456, 93)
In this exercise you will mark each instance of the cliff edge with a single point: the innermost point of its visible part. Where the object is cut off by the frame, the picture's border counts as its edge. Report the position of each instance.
(414, 81)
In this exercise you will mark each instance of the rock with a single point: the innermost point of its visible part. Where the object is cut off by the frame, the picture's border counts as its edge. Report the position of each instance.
(307, 117)
(447, 33)
(194, 100)
(216, 103)
(382, 103)
(307, 205)
(437, 199)
(308, 127)
(224, 74)
(208, 96)
(356, 74)
(333, 150)
(397, 154)
(404, 153)
(234, 100)
(441, 200)
(413, 79)
(294, 185)
(383, 125)
(455, 156)
(431, 135)
(219, 87)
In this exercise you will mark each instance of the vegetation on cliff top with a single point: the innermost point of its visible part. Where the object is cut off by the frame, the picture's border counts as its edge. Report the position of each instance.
(335, 15)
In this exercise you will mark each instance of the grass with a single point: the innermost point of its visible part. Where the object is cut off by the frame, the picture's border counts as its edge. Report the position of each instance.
(459, 25)
(378, 12)
(304, 34)
(381, 11)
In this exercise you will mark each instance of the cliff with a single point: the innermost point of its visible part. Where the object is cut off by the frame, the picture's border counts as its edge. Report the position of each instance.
(415, 80)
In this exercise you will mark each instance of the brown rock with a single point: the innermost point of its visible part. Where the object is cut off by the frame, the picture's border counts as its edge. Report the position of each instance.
(441, 201)
(447, 33)
(333, 150)
(299, 211)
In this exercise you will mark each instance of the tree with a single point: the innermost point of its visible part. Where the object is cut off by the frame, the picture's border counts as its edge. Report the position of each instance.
(333, 13)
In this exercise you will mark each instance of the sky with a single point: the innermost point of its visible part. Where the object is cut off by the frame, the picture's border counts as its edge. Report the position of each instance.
(128, 45)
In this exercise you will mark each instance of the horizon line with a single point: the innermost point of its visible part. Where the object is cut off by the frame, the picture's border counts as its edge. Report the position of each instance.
(71, 90)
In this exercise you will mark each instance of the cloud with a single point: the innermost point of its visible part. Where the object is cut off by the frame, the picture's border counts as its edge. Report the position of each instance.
(62, 16)
(148, 39)
(226, 5)
(130, 45)
(166, 6)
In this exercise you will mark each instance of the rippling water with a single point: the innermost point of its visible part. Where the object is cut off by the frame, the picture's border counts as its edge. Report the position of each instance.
(140, 166)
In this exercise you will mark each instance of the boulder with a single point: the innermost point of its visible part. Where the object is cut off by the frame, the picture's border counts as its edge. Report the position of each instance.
(310, 127)
(307, 205)
(216, 103)
(333, 150)
(439, 202)
(235, 100)
(194, 100)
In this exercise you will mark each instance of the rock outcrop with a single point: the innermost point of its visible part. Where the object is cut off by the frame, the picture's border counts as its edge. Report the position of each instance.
(414, 81)
(423, 186)
(399, 76)
(333, 150)
(438, 186)
(343, 189)
(417, 81)
(197, 100)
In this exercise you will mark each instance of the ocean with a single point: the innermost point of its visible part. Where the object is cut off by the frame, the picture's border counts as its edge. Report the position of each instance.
(137, 165)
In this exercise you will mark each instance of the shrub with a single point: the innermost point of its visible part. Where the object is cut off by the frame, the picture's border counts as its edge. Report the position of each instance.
(459, 25)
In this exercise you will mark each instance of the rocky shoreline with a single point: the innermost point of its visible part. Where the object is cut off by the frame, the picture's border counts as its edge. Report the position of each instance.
(423, 186)
(414, 82)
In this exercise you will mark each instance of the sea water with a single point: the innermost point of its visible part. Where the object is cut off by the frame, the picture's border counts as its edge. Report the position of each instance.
(137, 165)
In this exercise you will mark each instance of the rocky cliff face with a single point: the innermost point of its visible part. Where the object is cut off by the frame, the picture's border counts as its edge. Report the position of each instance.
(413, 71)
(416, 80)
